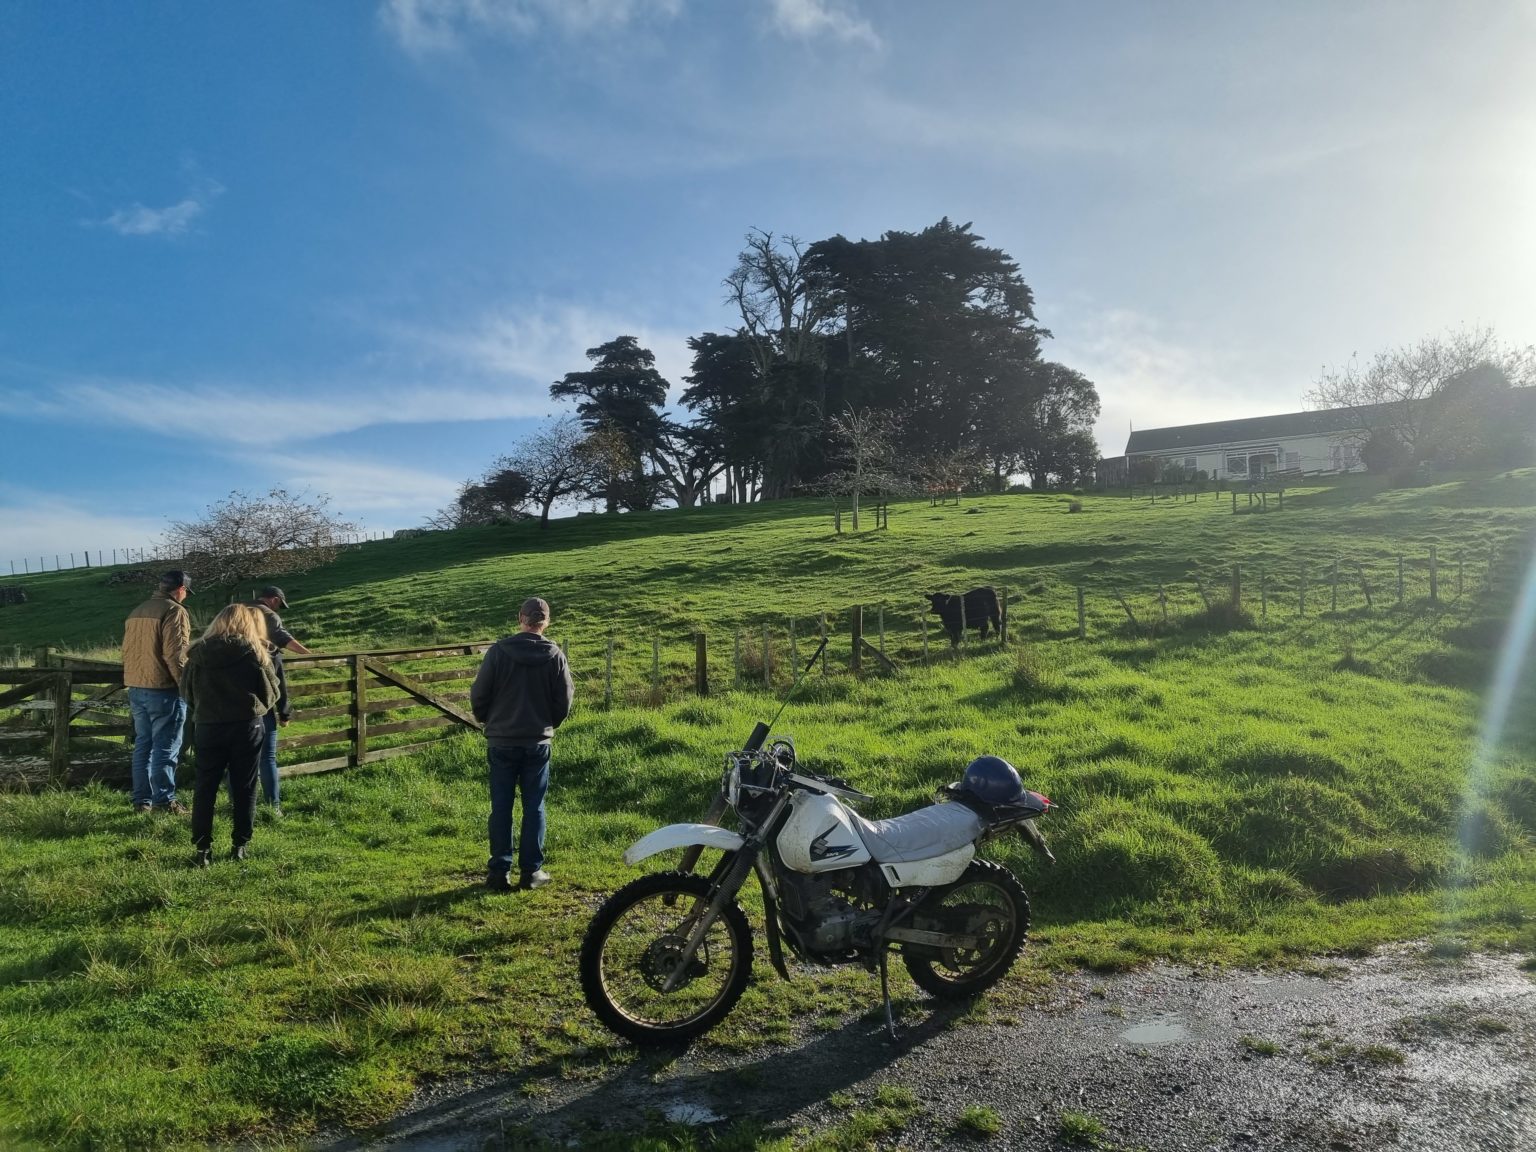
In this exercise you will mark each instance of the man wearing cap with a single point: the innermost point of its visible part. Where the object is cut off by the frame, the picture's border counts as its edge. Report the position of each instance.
(155, 641)
(521, 694)
(269, 600)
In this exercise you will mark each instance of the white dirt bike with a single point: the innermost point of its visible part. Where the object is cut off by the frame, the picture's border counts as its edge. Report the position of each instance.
(668, 955)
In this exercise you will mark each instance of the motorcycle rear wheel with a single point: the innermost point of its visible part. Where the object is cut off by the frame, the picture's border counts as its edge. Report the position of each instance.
(633, 945)
(988, 901)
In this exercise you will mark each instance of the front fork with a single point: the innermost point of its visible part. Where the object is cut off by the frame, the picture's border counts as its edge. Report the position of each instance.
(727, 881)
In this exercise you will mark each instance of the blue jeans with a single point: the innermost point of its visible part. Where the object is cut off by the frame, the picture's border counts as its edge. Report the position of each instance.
(267, 765)
(158, 716)
(526, 769)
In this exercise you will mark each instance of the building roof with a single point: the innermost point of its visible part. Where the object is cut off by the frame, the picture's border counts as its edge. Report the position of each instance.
(1214, 435)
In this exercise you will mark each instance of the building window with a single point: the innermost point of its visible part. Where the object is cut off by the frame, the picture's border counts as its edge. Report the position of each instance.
(1237, 465)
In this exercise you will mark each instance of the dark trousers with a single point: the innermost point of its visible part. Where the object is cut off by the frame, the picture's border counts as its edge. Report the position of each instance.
(234, 748)
(525, 770)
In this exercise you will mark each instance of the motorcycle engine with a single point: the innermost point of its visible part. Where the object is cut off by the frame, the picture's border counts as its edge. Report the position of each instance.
(824, 914)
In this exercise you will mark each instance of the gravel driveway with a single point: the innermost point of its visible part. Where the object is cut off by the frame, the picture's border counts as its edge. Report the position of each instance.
(1392, 1052)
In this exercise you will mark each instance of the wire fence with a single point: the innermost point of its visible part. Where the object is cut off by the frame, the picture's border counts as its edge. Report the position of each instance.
(126, 557)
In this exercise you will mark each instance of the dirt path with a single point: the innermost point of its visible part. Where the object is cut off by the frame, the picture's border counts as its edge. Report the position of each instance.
(1393, 1052)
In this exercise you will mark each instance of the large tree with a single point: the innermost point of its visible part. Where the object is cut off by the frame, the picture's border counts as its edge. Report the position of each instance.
(556, 462)
(686, 458)
(622, 393)
(244, 537)
(727, 390)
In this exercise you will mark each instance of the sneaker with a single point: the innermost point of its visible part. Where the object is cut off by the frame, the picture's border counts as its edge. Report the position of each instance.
(143, 808)
(536, 879)
(238, 852)
(174, 808)
(204, 859)
(498, 882)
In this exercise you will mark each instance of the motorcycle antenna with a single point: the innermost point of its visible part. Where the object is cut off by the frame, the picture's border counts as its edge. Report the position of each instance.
(795, 687)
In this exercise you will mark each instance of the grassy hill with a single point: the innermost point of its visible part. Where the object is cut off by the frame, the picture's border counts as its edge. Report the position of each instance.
(1270, 791)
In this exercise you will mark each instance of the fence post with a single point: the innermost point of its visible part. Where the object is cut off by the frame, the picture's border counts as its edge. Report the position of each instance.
(1162, 601)
(823, 643)
(701, 664)
(359, 709)
(1234, 501)
(608, 675)
(767, 659)
(961, 644)
(880, 618)
(41, 658)
(925, 639)
(736, 683)
(856, 628)
(656, 668)
(1434, 577)
(1002, 628)
(1082, 619)
(63, 685)
(1364, 585)
(1237, 587)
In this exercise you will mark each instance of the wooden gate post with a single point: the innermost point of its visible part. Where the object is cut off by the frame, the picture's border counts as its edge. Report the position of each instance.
(856, 627)
(359, 709)
(700, 664)
(58, 769)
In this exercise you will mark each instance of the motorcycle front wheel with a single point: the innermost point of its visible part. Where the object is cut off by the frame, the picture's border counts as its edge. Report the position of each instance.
(987, 903)
(635, 944)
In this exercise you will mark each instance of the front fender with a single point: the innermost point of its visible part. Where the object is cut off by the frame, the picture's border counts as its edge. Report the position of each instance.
(681, 836)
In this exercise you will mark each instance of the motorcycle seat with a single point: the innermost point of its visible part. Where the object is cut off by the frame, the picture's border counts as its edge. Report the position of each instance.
(920, 835)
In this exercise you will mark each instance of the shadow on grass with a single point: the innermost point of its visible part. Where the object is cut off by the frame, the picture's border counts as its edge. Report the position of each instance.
(767, 1090)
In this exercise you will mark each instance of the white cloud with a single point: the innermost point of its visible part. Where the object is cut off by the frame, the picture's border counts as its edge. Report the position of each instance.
(36, 527)
(175, 219)
(813, 19)
(1148, 379)
(363, 489)
(424, 27)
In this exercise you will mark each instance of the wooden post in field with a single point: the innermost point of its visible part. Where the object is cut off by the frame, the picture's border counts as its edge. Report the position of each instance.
(42, 658)
(1461, 567)
(1204, 599)
(1082, 617)
(1129, 615)
(925, 640)
(63, 685)
(1399, 581)
(608, 674)
(962, 621)
(856, 628)
(359, 677)
(656, 666)
(1334, 580)
(837, 520)
(1237, 587)
(1234, 501)
(767, 659)
(1162, 601)
(736, 655)
(700, 664)
(1002, 628)
(1434, 577)
(823, 643)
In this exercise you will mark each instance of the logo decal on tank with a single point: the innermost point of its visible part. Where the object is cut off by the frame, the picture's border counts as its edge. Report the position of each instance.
(821, 850)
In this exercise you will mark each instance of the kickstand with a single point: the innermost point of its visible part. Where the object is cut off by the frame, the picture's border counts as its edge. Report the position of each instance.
(885, 993)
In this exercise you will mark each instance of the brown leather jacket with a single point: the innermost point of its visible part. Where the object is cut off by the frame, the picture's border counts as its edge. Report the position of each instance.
(155, 641)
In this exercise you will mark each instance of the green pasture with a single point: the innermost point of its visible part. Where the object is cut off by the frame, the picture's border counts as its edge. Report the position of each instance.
(1233, 789)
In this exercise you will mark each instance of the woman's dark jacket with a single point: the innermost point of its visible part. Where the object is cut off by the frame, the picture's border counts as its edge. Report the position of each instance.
(226, 682)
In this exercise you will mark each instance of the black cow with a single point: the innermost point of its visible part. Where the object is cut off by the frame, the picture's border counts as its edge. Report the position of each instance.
(981, 609)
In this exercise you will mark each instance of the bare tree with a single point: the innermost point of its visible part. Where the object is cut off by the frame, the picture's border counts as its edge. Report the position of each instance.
(1396, 394)
(243, 537)
(557, 463)
(864, 440)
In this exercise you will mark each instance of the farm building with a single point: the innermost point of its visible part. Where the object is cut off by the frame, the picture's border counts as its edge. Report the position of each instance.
(1327, 440)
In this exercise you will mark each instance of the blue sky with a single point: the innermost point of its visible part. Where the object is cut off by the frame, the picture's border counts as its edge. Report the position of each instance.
(347, 246)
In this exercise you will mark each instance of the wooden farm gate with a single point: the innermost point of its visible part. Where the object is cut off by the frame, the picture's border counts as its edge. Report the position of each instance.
(390, 703)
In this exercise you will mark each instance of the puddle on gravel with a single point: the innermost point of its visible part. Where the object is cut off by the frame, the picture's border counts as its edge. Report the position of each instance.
(682, 1112)
(1158, 1030)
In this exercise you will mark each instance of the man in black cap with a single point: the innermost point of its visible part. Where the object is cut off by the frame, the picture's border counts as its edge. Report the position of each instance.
(521, 694)
(269, 600)
(155, 642)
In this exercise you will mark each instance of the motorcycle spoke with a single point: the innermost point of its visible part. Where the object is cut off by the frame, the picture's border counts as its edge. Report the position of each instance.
(645, 947)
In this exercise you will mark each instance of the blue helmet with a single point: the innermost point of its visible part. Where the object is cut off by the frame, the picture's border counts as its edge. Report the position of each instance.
(992, 779)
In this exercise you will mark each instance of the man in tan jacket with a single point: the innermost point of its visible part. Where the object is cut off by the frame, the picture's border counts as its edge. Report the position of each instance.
(155, 642)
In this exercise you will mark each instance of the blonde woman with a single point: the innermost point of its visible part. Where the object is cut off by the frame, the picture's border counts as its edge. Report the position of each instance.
(230, 685)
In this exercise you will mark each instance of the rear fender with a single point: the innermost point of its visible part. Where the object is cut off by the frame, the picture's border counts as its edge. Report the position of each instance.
(682, 836)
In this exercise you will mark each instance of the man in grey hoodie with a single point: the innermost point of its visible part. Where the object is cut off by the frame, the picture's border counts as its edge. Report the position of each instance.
(521, 694)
